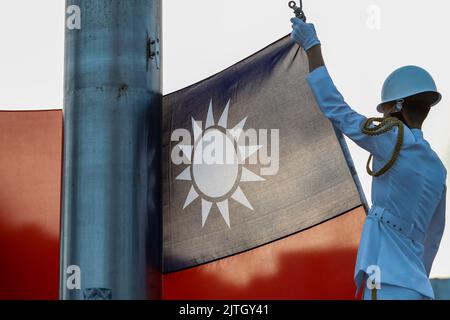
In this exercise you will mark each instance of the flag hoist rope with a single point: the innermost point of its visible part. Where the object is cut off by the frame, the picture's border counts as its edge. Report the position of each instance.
(385, 125)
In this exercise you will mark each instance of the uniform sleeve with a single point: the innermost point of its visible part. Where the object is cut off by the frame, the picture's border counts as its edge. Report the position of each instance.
(434, 233)
(345, 119)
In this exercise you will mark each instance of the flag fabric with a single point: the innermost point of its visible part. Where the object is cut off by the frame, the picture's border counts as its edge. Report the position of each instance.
(317, 263)
(248, 158)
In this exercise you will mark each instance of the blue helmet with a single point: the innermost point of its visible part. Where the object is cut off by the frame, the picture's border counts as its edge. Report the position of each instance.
(406, 82)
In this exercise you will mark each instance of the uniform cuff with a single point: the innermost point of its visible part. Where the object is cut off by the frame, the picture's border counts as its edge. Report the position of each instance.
(317, 75)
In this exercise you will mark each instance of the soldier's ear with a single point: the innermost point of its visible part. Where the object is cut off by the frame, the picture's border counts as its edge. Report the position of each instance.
(399, 105)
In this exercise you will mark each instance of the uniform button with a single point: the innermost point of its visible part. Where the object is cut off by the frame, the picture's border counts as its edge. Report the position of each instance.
(387, 222)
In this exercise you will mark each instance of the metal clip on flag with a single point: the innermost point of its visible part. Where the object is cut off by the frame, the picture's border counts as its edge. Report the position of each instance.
(298, 11)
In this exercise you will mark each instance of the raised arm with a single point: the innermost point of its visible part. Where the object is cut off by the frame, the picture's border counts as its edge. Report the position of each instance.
(331, 102)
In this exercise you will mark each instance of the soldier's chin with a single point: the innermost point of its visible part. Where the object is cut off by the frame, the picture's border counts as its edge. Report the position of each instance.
(399, 116)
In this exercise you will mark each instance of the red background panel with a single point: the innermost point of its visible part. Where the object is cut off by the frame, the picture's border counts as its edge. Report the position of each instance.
(314, 264)
(30, 184)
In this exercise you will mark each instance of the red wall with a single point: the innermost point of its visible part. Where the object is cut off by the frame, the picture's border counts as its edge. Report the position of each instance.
(30, 183)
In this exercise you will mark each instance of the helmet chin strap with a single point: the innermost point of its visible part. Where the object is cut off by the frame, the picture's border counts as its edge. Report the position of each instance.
(397, 107)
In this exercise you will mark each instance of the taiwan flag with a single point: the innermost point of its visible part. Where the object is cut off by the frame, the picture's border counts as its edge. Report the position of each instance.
(260, 197)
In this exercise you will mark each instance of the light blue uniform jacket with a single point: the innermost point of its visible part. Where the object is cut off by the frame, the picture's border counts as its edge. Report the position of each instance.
(413, 191)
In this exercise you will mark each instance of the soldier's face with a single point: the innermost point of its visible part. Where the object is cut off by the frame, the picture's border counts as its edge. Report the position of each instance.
(414, 112)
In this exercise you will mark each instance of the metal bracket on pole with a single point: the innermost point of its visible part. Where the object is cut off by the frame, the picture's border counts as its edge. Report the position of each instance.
(97, 294)
(153, 50)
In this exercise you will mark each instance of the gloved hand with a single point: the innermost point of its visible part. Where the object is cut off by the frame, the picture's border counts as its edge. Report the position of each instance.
(304, 34)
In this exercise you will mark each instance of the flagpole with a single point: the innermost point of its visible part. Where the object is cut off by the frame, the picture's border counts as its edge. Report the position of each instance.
(111, 207)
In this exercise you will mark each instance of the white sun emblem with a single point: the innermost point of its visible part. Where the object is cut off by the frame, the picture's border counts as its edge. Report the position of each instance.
(214, 180)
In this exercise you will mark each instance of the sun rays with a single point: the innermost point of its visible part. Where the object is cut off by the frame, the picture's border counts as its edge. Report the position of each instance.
(216, 165)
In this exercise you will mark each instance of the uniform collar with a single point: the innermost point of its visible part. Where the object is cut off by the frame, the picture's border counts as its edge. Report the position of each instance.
(417, 132)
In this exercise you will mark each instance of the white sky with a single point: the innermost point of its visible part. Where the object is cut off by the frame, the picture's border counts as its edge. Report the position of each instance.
(202, 37)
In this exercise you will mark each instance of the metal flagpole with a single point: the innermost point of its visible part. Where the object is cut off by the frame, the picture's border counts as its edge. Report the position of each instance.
(111, 207)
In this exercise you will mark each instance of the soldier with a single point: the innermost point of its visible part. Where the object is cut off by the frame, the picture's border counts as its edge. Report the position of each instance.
(404, 227)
